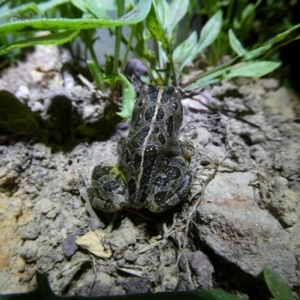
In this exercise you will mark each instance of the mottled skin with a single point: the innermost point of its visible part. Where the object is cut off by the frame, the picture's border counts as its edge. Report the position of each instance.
(153, 171)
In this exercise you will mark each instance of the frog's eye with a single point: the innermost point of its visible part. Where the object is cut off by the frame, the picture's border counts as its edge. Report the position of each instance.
(143, 91)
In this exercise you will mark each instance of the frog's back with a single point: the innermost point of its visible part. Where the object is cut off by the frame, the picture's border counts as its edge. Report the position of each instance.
(152, 141)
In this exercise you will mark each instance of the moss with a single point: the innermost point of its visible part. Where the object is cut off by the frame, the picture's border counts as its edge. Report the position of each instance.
(15, 117)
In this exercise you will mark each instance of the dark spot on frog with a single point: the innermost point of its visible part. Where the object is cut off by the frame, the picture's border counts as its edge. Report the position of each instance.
(137, 161)
(162, 139)
(160, 198)
(99, 172)
(175, 105)
(169, 125)
(160, 181)
(160, 114)
(138, 140)
(136, 121)
(148, 165)
(141, 102)
(152, 92)
(131, 186)
(149, 113)
(167, 94)
(173, 173)
(155, 130)
(127, 156)
(177, 161)
(110, 186)
(183, 188)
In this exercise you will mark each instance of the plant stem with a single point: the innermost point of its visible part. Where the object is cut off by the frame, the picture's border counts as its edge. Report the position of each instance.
(128, 44)
(121, 8)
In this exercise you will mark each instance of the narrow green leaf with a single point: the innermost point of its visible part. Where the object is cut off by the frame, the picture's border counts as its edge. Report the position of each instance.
(208, 79)
(134, 16)
(128, 98)
(50, 39)
(155, 27)
(182, 51)
(257, 52)
(277, 285)
(80, 4)
(50, 4)
(177, 11)
(138, 14)
(95, 71)
(11, 12)
(210, 31)
(235, 44)
(162, 9)
(252, 69)
(289, 35)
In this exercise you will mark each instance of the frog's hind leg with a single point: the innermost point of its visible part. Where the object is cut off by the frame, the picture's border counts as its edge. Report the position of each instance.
(108, 190)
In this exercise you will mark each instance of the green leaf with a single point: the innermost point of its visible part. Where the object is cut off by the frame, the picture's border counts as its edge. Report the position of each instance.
(128, 98)
(50, 39)
(288, 36)
(155, 27)
(50, 4)
(94, 7)
(177, 11)
(252, 69)
(11, 12)
(210, 31)
(183, 50)
(277, 285)
(236, 44)
(134, 16)
(162, 9)
(257, 52)
(208, 79)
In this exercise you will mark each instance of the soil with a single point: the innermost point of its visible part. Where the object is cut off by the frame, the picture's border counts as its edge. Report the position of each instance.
(242, 214)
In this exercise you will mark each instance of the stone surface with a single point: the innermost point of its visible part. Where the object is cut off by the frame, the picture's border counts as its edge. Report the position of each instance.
(238, 230)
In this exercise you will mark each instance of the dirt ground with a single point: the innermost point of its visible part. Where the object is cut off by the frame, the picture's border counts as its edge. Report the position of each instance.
(242, 214)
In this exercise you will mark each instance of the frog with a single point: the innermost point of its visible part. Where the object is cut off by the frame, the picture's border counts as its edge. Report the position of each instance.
(154, 160)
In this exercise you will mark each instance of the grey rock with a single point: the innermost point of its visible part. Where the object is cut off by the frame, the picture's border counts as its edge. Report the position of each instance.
(28, 231)
(135, 285)
(29, 251)
(121, 238)
(103, 285)
(69, 245)
(130, 255)
(238, 230)
(202, 267)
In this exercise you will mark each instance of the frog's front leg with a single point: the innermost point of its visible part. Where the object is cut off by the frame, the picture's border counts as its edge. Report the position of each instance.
(108, 190)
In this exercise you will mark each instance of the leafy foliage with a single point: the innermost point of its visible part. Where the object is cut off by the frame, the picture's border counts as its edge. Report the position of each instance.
(277, 285)
(153, 21)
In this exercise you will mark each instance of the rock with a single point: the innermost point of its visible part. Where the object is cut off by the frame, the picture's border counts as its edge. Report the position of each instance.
(15, 117)
(269, 83)
(236, 229)
(130, 255)
(279, 102)
(69, 245)
(135, 285)
(28, 231)
(29, 251)
(103, 285)
(121, 238)
(202, 267)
